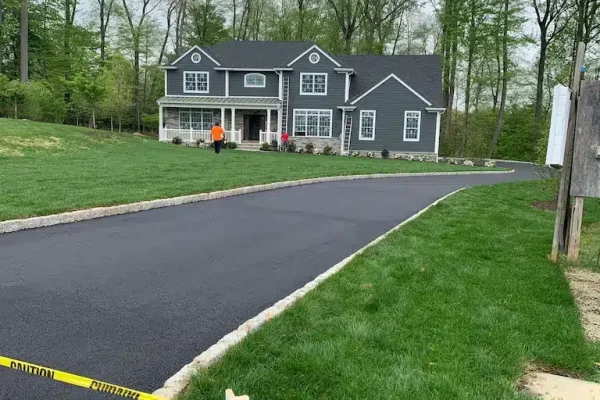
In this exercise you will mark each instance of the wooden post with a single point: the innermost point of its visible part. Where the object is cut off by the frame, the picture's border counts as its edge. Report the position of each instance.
(575, 230)
(558, 241)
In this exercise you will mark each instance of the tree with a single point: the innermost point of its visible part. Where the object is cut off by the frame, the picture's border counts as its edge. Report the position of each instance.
(349, 15)
(136, 30)
(206, 25)
(552, 18)
(105, 9)
(92, 88)
(15, 92)
(118, 78)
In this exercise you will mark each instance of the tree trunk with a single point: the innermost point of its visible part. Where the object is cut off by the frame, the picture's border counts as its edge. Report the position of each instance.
(504, 82)
(111, 123)
(93, 117)
(539, 93)
(1, 35)
(451, 86)
(15, 106)
(24, 42)
(472, 42)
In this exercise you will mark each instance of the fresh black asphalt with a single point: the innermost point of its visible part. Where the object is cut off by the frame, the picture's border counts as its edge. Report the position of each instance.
(130, 299)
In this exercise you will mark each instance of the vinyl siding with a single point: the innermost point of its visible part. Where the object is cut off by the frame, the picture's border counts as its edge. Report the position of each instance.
(236, 85)
(333, 99)
(391, 100)
(216, 80)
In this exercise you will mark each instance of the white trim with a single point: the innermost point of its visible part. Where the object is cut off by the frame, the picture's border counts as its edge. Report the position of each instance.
(280, 97)
(404, 138)
(245, 106)
(303, 74)
(252, 69)
(346, 108)
(222, 97)
(314, 53)
(347, 88)
(279, 120)
(197, 91)
(199, 58)
(435, 109)
(166, 83)
(437, 133)
(199, 49)
(226, 83)
(344, 70)
(313, 109)
(399, 80)
(269, 120)
(255, 86)
(342, 136)
(232, 123)
(222, 117)
(166, 67)
(313, 47)
(360, 136)
(160, 122)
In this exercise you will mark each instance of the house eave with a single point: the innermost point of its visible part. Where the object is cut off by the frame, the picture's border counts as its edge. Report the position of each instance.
(345, 71)
(167, 67)
(435, 109)
(346, 108)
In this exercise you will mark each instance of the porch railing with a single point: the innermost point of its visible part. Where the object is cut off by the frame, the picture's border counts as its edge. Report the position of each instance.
(190, 135)
(268, 137)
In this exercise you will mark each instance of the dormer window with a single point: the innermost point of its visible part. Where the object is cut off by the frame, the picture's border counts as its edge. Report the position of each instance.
(313, 84)
(255, 81)
(195, 82)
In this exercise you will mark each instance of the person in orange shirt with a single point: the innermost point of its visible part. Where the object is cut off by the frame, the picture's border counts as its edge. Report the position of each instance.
(217, 136)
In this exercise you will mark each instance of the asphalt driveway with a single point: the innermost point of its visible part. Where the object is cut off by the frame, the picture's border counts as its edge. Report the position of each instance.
(130, 299)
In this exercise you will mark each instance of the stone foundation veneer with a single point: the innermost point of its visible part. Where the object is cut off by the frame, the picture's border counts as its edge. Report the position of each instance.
(319, 142)
(432, 157)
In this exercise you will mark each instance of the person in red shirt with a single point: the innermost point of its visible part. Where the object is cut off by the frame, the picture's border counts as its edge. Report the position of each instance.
(217, 136)
(284, 141)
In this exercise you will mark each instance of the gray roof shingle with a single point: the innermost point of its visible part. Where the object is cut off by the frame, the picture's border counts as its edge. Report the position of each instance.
(421, 72)
(257, 54)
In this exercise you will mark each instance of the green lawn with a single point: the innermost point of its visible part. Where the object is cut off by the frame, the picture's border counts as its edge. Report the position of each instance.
(455, 305)
(49, 168)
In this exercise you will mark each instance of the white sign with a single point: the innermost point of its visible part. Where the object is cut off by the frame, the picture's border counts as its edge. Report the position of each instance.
(561, 104)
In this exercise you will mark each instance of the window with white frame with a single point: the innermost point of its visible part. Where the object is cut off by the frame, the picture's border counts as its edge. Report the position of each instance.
(412, 126)
(196, 119)
(312, 123)
(195, 82)
(315, 84)
(367, 125)
(255, 80)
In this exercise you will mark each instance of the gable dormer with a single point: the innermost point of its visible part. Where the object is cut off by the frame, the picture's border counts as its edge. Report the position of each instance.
(193, 74)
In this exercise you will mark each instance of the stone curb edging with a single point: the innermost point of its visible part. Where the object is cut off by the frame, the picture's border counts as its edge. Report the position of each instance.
(100, 212)
(176, 384)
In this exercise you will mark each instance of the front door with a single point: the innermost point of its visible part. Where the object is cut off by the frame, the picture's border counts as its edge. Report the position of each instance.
(254, 123)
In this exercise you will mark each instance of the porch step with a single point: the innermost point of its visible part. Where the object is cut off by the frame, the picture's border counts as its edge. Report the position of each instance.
(248, 146)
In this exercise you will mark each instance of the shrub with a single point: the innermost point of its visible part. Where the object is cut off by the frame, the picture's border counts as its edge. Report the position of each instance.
(327, 150)
(310, 148)
(356, 154)
(300, 150)
(385, 153)
(371, 154)
(231, 145)
(199, 142)
(150, 122)
(291, 147)
(274, 145)
(177, 140)
(265, 147)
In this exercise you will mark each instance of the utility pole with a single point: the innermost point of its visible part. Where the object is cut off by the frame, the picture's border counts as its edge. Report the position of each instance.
(560, 224)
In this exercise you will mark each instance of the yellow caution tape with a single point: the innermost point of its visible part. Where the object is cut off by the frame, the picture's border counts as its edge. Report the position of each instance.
(76, 380)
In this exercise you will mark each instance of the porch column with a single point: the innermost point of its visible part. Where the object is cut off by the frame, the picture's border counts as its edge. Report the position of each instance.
(233, 123)
(160, 123)
(223, 118)
(279, 120)
(268, 120)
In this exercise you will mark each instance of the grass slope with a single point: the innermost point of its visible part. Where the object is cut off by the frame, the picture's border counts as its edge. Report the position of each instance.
(49, 168)
(454, 305)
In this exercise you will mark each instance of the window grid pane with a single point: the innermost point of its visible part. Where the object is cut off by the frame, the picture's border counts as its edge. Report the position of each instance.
(196, 81)
(367, 124)
(255, 80)
(314, 83)
(412, 125)
(313, 123)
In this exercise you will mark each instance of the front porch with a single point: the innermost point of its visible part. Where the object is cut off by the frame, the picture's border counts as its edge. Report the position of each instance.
(245, 120)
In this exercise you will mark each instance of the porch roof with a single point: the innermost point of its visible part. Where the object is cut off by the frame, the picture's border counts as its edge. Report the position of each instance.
(218, 101)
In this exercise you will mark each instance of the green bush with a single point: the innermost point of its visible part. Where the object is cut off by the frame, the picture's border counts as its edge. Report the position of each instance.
(310, 148)
(150, 122)
(231, 145)
(274, 145)
(385, 153)
(327, 150)
(265, 147)
(291, 147)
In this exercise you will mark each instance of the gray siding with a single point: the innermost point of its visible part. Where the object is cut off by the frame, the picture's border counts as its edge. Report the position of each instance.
(236, 85)
(391, 100)
(335, 91)
(216, 80)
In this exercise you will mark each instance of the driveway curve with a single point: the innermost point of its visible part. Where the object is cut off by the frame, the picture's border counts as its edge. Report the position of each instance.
(130, 299)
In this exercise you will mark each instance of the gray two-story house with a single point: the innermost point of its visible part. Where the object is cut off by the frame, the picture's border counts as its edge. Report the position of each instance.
(257, 90)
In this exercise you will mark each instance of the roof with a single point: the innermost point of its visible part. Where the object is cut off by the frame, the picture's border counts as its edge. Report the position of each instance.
(219, 100)
(421, 72)
(257, 54)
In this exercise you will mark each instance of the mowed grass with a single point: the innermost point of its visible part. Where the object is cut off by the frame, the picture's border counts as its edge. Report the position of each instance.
(455, 305)
(48, 168)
